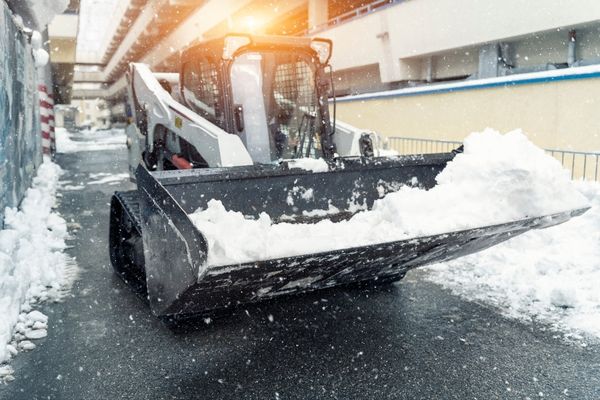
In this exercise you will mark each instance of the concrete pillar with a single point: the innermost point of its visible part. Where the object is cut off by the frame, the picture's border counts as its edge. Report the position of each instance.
(389, 65)
(318, 13)
(489, 55)
(429, 69)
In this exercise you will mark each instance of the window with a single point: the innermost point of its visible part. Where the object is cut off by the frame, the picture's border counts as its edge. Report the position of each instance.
(287, 123)
(295, 99)
(201, 89)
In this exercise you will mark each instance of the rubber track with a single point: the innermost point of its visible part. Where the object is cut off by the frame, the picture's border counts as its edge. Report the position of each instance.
(131, 204)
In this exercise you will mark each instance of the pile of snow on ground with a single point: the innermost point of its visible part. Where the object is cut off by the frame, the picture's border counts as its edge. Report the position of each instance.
(33, 266)
(498, 178)
(550, 275)
(89, 140)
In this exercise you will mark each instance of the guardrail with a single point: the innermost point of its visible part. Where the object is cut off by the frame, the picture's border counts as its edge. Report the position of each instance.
(409, 145)
(367, 9)
(583, 165)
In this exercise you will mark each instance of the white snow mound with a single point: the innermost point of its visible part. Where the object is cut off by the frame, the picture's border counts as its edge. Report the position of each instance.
(550, 275)
(45, 10)
(33, 266)
(498, 178)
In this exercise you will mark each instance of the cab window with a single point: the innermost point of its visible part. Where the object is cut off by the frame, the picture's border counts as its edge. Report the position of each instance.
(201, 89)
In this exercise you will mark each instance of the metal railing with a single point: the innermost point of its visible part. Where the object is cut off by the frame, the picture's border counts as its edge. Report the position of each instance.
(583, 165)
(367, 9)
(409, 145)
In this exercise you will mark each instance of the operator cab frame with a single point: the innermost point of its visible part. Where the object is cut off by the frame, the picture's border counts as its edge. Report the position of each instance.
(222, 79)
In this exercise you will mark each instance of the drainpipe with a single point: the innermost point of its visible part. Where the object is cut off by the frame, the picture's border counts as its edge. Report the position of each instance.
(571, 56)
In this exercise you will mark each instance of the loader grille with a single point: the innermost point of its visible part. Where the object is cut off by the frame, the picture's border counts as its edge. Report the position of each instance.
(296, 97)
(295, 83)
(208, 90)
(201, 89)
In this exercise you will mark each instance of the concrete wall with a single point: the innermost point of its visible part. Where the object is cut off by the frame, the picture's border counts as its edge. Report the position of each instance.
(20, 139)
(560, 114)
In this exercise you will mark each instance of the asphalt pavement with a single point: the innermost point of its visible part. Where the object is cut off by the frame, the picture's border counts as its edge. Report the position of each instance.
(411, 340)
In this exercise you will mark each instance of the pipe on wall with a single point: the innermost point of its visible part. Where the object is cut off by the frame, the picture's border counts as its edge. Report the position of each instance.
(571, 53)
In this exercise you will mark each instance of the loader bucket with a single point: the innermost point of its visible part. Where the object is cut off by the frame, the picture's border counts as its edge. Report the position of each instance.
(173, 266)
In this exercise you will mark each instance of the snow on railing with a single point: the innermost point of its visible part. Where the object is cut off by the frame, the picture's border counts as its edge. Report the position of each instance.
(583, 165)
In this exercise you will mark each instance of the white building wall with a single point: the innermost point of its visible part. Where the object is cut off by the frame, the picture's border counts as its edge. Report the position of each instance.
(399, 37)
(93, 112)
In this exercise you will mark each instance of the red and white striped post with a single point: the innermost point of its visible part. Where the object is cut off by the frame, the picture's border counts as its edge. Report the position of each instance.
(52, 125)
(47, 120)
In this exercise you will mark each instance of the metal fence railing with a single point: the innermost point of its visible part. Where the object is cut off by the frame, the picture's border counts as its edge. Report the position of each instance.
(583, 165)
(409, 145)
(373, 6)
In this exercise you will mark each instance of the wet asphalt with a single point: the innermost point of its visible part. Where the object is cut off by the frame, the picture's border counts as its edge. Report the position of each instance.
(411, 340)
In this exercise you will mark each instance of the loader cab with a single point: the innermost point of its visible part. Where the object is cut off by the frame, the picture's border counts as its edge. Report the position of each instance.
(271, 91)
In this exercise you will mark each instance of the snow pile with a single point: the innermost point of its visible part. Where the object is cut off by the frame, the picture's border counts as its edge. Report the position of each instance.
(550, 275)
(45, 10)
(309, 164)
(33, 266)
(498, 178)
(40, 55)
(68, 142)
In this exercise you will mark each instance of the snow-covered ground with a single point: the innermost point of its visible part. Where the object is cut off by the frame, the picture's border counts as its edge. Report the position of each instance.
(90, 140)
(106, 178)
(551, 276)
(498, 179)
(94, 180)
(33, 265)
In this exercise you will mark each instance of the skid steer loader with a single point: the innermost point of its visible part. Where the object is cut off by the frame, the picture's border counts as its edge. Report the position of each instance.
(228, 127)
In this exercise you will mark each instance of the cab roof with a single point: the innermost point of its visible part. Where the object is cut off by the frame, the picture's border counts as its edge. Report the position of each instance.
(214, 47)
